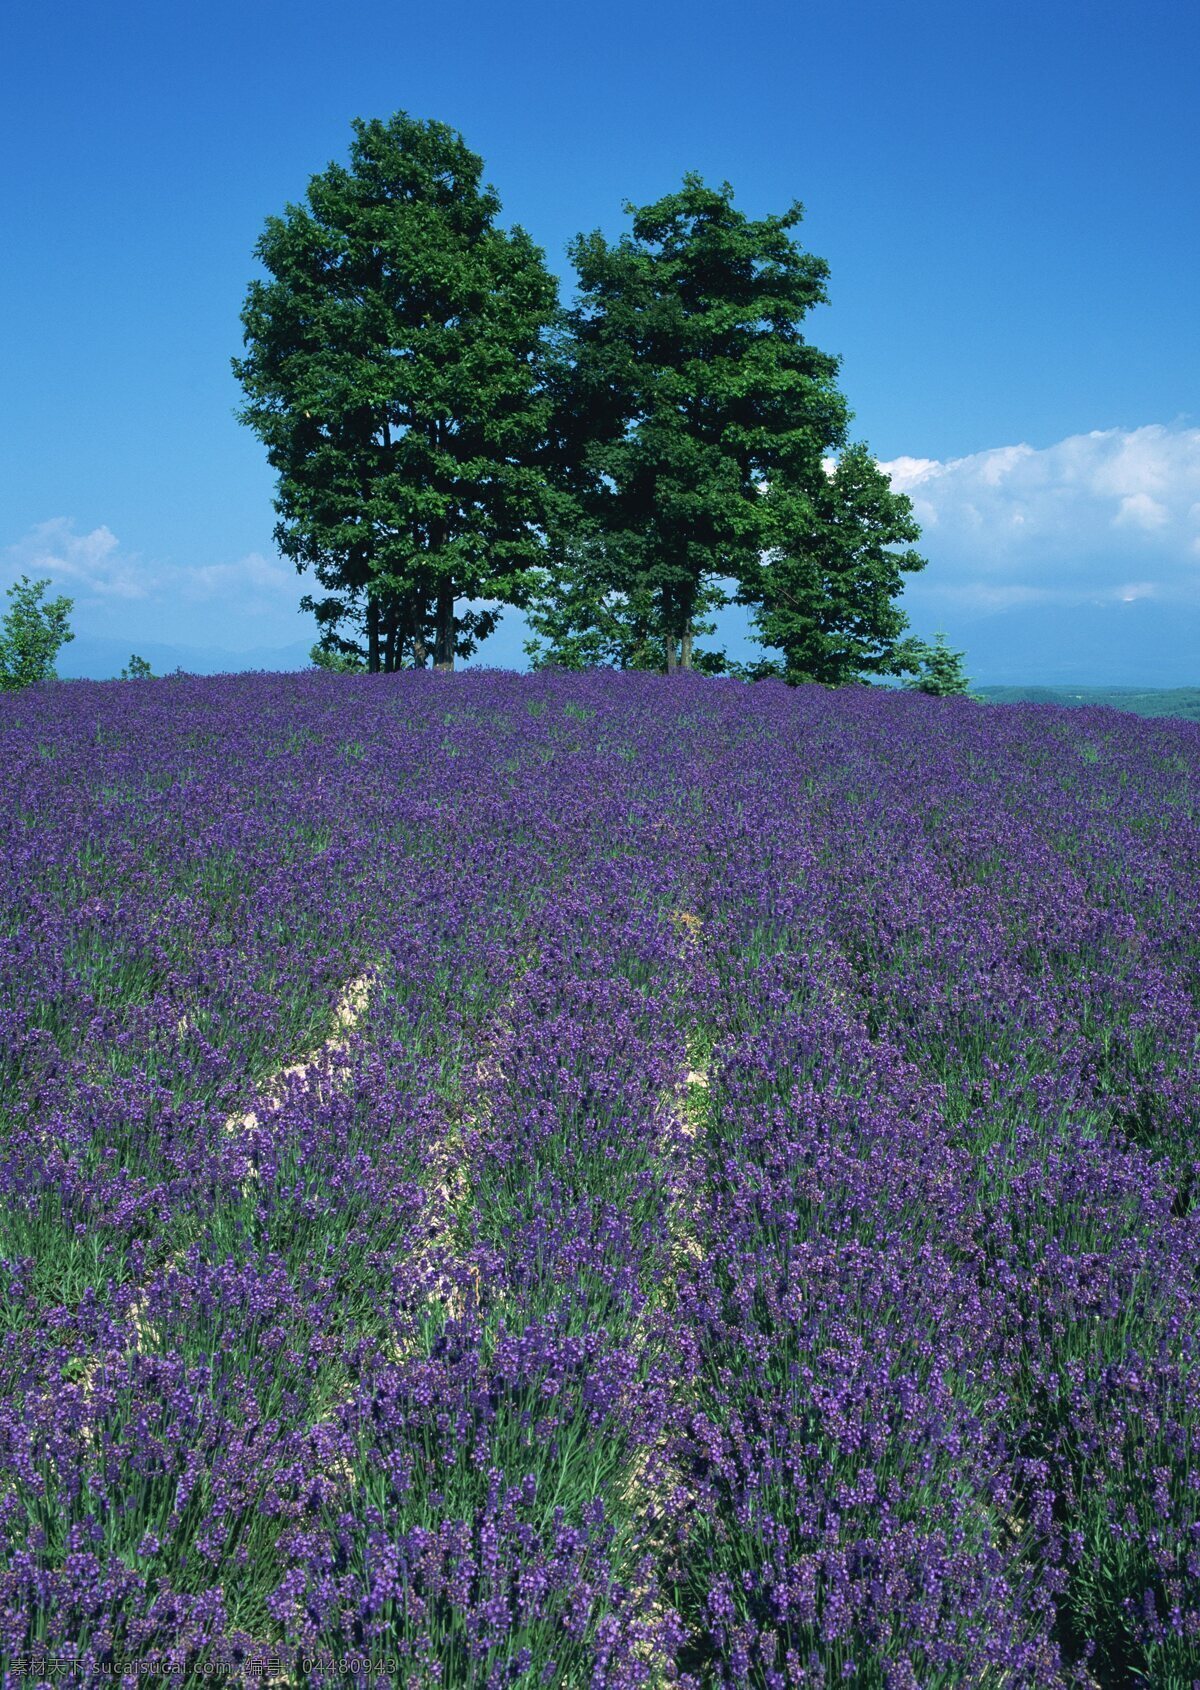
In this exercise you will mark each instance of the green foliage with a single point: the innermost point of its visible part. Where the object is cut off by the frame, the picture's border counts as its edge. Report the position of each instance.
(393, 371)
(941, 672)
(32, 634)
(824, 593)
(138, 670)
(443, 433)
(580, 621)
(683, 386)
(337, 661)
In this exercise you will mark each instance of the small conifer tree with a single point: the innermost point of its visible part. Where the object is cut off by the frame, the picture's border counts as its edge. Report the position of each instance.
(941, 673)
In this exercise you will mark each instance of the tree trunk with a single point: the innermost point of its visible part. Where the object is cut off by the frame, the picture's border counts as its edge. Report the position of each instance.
(685, 605)
(373, 636)
(420, 656)
(389, 644)
(669, 631)
(443, 644)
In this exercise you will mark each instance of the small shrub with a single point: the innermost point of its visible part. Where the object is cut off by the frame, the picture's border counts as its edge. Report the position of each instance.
(32, 634)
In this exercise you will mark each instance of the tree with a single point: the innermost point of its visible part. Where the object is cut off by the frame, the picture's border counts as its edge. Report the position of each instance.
(824, 593)
(393, 372)
(581, 621)
(32, 634)
(138, 670)
(686, 385)
(940, 671)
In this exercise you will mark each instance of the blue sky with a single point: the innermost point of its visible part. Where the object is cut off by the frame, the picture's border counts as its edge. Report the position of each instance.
(1007, 195)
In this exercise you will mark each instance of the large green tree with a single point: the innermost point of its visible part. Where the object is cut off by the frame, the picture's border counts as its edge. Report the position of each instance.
(393, 371)
(825, 591)
(686, 386)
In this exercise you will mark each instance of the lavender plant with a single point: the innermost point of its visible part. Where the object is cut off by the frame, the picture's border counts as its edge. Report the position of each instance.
(745, 1234)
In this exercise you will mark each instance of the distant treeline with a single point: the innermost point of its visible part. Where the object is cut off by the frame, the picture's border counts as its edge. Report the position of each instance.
(1142, 701)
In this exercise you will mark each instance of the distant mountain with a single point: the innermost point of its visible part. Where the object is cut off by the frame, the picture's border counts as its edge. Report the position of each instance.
(1141, 644)
(96, 659)
(89, 657)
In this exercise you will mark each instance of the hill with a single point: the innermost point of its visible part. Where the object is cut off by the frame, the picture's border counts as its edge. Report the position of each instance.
(1182, 702)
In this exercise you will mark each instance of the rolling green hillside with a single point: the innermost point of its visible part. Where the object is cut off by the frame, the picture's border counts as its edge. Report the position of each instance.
(1146, 701)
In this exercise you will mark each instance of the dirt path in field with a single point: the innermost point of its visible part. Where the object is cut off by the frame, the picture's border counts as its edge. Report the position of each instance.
(348, 1012)
(272, 1092)
(330, 1062)
(448, 1187)
(655, 1490)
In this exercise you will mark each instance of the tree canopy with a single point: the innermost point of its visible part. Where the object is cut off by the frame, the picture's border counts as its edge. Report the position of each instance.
(824, 593)
(448, 440)
(32, 633)
(392, 370)
(688, 387)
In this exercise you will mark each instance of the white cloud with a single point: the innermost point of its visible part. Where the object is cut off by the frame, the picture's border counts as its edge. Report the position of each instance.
(1139, 510)
(1003, 463)
(1060, 524)
(92, 562)
(907, 473)
(242, 601)
(253, 572)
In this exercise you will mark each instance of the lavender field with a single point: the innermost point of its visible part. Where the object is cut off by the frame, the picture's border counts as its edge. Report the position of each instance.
(597, 1182)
